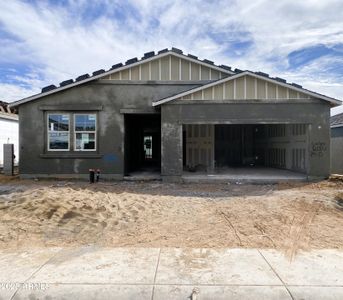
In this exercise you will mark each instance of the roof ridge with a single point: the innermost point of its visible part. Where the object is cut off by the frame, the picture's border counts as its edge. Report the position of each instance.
(50, 89)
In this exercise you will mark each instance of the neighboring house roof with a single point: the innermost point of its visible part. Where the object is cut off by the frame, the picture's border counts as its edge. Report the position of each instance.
(258, 75)
(5, 109)
(150, 56)
(336, 121)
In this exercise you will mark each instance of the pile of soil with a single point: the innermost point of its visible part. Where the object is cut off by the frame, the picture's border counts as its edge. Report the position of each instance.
(287, 217)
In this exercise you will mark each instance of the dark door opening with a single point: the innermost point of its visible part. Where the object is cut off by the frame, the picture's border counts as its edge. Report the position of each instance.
(142, 143)
(235, 145)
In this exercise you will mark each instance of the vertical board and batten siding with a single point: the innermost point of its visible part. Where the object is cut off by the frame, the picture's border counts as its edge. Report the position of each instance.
(168, 68)
(246, 87)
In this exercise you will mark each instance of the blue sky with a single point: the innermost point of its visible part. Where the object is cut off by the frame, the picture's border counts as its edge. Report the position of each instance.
(44, 42)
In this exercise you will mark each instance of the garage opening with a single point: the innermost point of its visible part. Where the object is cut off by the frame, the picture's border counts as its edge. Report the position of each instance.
(239, 148)
(142, 143)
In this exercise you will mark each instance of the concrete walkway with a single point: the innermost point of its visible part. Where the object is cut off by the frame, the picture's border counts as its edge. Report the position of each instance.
(142, 273)
(259, 175)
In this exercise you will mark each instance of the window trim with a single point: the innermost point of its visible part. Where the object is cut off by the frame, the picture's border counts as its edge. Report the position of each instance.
(75, 132)
(48, 132)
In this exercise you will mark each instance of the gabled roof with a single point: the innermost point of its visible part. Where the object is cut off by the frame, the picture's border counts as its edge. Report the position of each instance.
(258, 75)
(149, 56)
(7, 113)
(4, 108)
(336, 121)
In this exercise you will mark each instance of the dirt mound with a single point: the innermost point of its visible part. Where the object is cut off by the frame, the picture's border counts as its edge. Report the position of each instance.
(288, 217)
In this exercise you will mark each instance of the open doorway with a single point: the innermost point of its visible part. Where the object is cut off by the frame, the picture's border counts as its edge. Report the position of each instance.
(142, 143)
(223, 148)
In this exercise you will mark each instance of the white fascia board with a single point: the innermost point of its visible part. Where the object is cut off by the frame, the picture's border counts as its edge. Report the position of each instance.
(124, 67)
(12, 117)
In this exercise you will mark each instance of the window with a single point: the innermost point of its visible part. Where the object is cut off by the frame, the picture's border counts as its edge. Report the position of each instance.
(58, 132)
(84, 132)
(67, 131)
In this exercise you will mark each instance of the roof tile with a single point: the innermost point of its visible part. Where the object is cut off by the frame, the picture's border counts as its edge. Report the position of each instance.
(192, 56)
(208, 61)
(262, 74)
(297, 85)
(48, 88)
(98, 72)
(280, 79)
(148, 54)
(176, 50)
(116, 66)
(131, 61)
(66, 82)
(163, 51)
(336, 120)
(82, 77)
(225, 67)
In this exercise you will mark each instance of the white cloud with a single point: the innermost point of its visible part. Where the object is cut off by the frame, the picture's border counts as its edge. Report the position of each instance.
(63, 45)
(11, 92)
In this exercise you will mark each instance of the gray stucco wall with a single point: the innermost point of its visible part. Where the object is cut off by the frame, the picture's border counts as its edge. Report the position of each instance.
(110, 99)
(314, 113)
(337, 150)
(36, 161)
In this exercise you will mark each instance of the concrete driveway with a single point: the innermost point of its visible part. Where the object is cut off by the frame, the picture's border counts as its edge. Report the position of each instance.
(149, 273)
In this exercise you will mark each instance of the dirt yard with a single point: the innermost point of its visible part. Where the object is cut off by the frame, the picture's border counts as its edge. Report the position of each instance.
(288, 217)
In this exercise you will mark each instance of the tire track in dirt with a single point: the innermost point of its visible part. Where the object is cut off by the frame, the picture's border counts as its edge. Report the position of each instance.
(299, 230)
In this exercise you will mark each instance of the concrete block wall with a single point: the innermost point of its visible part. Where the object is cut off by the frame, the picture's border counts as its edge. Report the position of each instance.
(313, 113)
(111, 102)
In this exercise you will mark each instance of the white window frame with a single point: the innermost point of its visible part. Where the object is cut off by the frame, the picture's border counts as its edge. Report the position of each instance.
(95, 132)
(48, 132)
